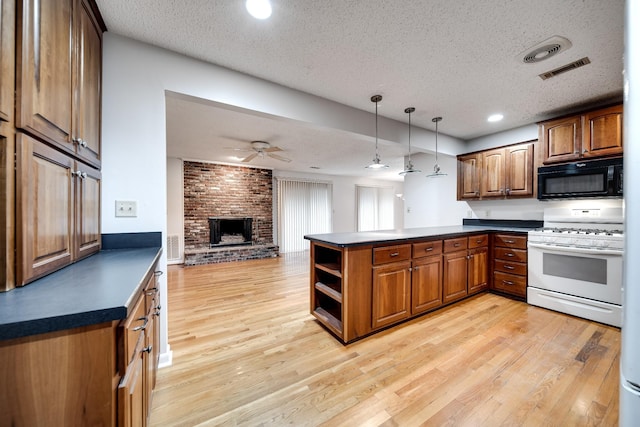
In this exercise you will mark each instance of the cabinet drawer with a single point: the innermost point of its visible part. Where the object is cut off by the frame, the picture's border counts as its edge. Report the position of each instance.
(427, 248)
(391, 254)
(507, 254)
(453, 245)
(478, 241)
(511, 241)
(510, 283)
(134, 326)
(517, 268)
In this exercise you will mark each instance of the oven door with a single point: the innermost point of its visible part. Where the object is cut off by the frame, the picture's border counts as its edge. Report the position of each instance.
(587, 273)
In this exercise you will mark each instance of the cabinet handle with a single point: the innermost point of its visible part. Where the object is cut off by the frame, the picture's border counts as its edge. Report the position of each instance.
(143, 326)
(581, 165)
(147, 349)
(508, 191)
(510, 241)
(79, 174)
(411, 269)
(585, 151)
(394, 254)
(477, 193)
(158, 273)
(428, 249)
(455, 245)
(507, 282)
(510, 254)
(81, 142)
(501, 191)
(508, 267)
(479, 240)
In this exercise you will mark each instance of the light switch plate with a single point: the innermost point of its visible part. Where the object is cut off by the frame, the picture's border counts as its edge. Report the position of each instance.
(126, 208)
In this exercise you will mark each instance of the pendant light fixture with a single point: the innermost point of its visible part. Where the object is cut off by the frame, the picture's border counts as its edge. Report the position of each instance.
(409, 167)
(376, 163)
(436, 168)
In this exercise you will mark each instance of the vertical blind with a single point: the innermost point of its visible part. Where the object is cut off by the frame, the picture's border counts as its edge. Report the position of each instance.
(304, 207)
(375, 208)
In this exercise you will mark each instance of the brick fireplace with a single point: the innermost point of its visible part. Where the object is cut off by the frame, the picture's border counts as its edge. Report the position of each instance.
(230, 205)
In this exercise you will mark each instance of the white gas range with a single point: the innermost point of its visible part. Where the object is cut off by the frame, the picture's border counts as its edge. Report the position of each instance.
(575, 263)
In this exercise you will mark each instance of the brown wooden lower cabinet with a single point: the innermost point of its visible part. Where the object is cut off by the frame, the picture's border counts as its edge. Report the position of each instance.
(426, 284)
(100, 375)
(510, 264)
(357, 290)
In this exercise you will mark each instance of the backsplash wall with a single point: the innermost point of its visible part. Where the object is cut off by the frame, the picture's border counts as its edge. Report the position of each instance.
(214, 190)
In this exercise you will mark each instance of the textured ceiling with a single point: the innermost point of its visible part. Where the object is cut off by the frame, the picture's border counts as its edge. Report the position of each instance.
(457, 59)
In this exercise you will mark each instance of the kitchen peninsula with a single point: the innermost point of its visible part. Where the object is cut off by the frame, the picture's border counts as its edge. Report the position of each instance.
(363, 282)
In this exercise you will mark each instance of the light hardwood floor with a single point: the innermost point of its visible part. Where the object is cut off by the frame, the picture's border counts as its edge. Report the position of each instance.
(246, 351)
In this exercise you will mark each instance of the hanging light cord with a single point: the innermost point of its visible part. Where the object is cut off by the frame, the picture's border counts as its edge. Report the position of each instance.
(409, 136)
(376, 128)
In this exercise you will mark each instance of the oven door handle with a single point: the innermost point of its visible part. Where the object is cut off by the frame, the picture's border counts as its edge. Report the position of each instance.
(574, 250)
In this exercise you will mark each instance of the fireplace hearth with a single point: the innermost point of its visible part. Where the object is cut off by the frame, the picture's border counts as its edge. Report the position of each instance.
(230, 231)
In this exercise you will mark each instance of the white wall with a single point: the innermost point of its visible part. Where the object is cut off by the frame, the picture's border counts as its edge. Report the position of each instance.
(175, 203)
(431, 202)
(507, 137)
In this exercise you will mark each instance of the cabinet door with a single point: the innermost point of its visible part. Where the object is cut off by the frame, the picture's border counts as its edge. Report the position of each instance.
(519, 170)
(478, 270)
(469, 168)
(131, 393)
(454, 285)
(88, 84)
(603, 133)
(493, 173)
(391, 293)
(7, 58)
(45, 67)
(561, 139)
(44, 202)
(87, 221)
(426, 284)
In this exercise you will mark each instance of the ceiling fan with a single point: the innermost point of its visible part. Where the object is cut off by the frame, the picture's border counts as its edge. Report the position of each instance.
(262, 149)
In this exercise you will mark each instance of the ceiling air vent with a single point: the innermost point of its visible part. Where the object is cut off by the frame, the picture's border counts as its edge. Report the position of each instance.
(572, 66)
(545, 50)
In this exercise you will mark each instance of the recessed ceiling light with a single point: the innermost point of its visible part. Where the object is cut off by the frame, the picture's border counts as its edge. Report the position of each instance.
(495, 118)
(259, 9)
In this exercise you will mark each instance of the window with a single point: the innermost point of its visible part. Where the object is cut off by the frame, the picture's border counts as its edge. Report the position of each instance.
(304, 207)
(375, 208)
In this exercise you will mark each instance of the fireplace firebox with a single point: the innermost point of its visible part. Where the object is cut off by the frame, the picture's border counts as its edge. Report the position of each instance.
(230, 231)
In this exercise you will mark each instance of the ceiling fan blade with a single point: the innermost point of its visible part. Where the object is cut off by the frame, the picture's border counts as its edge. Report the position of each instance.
(275, 156)
(249, 158)
(272, 149)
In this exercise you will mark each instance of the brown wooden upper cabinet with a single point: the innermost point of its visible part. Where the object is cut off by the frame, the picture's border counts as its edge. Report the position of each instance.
(7, 59)
(59, 61)
(497, 173)
(593, 134)
(469, 167)
(48, 181)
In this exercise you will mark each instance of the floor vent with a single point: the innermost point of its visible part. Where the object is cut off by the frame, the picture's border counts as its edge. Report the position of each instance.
(572, 66)
(173, 248)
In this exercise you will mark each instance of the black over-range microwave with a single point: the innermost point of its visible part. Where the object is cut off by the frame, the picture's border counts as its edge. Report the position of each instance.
(592, 178)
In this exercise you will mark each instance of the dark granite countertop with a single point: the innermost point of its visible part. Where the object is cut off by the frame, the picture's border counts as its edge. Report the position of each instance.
(408, 234)
(97, 289)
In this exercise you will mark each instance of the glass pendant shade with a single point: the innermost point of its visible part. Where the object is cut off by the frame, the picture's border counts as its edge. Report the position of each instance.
(436, 168)
(409, 169)
(376, 163)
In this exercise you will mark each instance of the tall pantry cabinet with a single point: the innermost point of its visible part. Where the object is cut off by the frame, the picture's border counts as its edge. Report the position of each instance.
(54, 186)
